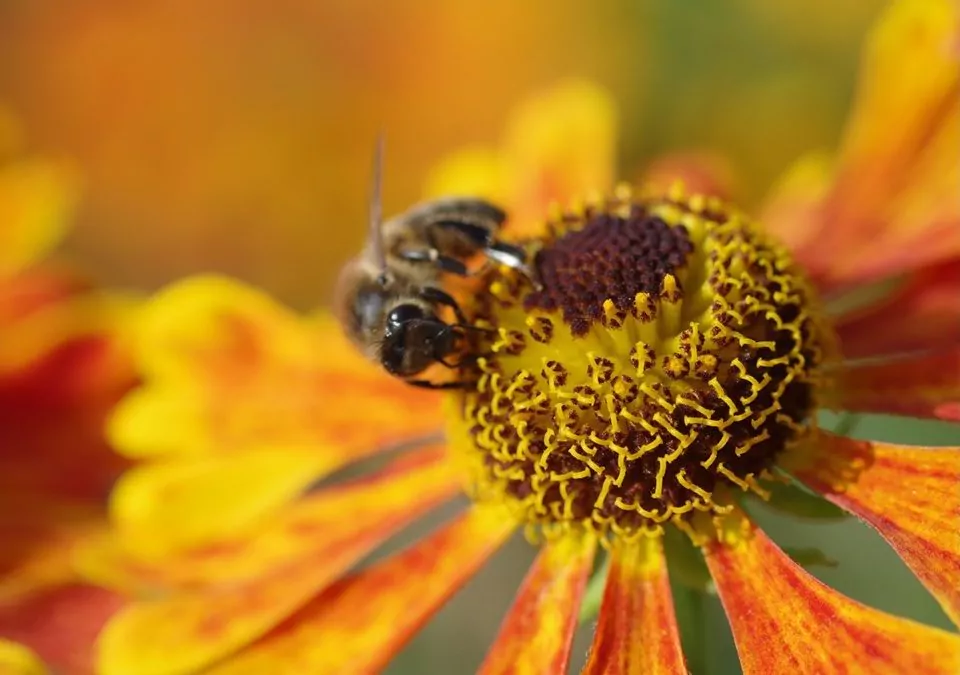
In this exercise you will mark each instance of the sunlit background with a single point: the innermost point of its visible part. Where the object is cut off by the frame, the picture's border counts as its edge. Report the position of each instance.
(236, 135)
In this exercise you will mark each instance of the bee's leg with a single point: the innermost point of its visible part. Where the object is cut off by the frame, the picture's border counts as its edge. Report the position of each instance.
(433, 256)
(478, 235)
(427, 384)
(436, 295)
(508, 255)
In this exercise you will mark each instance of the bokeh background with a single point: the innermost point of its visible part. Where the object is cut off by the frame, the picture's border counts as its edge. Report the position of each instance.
(235, 136)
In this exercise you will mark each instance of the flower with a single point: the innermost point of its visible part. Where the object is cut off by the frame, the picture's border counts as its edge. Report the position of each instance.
(696, 377)
(62, 368)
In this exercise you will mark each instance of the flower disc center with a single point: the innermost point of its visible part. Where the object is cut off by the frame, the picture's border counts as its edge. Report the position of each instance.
(670, 355)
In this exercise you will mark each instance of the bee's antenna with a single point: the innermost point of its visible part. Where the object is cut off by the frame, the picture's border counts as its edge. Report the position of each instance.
(376, 209)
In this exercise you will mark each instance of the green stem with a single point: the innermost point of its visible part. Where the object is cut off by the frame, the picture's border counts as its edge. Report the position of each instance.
(593, 596)
(691, 610)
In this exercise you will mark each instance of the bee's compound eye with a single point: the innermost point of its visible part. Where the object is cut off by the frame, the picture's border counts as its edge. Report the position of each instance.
(401, 315)
(413, 339)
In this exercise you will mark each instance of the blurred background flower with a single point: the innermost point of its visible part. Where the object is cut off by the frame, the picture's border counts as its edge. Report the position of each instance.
(236, 135)
(63, 366)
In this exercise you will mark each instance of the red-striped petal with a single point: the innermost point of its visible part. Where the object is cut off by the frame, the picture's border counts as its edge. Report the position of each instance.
(267, 576)
(537, 633)
(637, 632)
(922, 314)
(61, 624)
(786, 621)
(921, 386)
(895, 186)
(911, 495)
(359, 623)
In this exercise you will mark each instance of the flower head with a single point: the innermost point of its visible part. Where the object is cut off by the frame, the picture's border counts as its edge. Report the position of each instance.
(665, 370)
(672, 353)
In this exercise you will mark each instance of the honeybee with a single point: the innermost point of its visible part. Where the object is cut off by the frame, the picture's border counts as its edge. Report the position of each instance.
(389, 299)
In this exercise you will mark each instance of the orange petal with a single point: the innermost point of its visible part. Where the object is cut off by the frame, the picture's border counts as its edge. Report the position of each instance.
(38, 534)
(537, 633)
(76, 384)
(786, 621)
(699, 172)
(38, 288)
(922, 314)
(919, 386)
(227, 370)
(61, 625)
(792, 211)
(359, 623)
(898, 169)
(36, 201)
(293, 559)
(909, 494)
(559, 144)
(637, 631)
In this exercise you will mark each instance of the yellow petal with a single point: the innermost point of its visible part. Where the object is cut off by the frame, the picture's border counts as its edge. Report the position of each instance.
(36, 200)
(560, 143)
(792, 210)
(16, 659)
(786, 621)
(165, 507)
(537, 633)
(359, 623)
(229, 370)
(477, 172)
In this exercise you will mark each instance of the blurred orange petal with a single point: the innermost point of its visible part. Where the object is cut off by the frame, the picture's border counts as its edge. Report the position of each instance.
(359, 623)
(637, 631)
(923, 313)
(786, 621)
(36, 200)
(38, 534)
(227, 370)
(61, 625)
(927, 385)
(39, 287)
(898, 168)
(76, 383)
(559, 143)
(305, 528)
(910, 494)
(15, 659)
(792, 209)
(700, 173)
(537, 633)
(299, 557)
